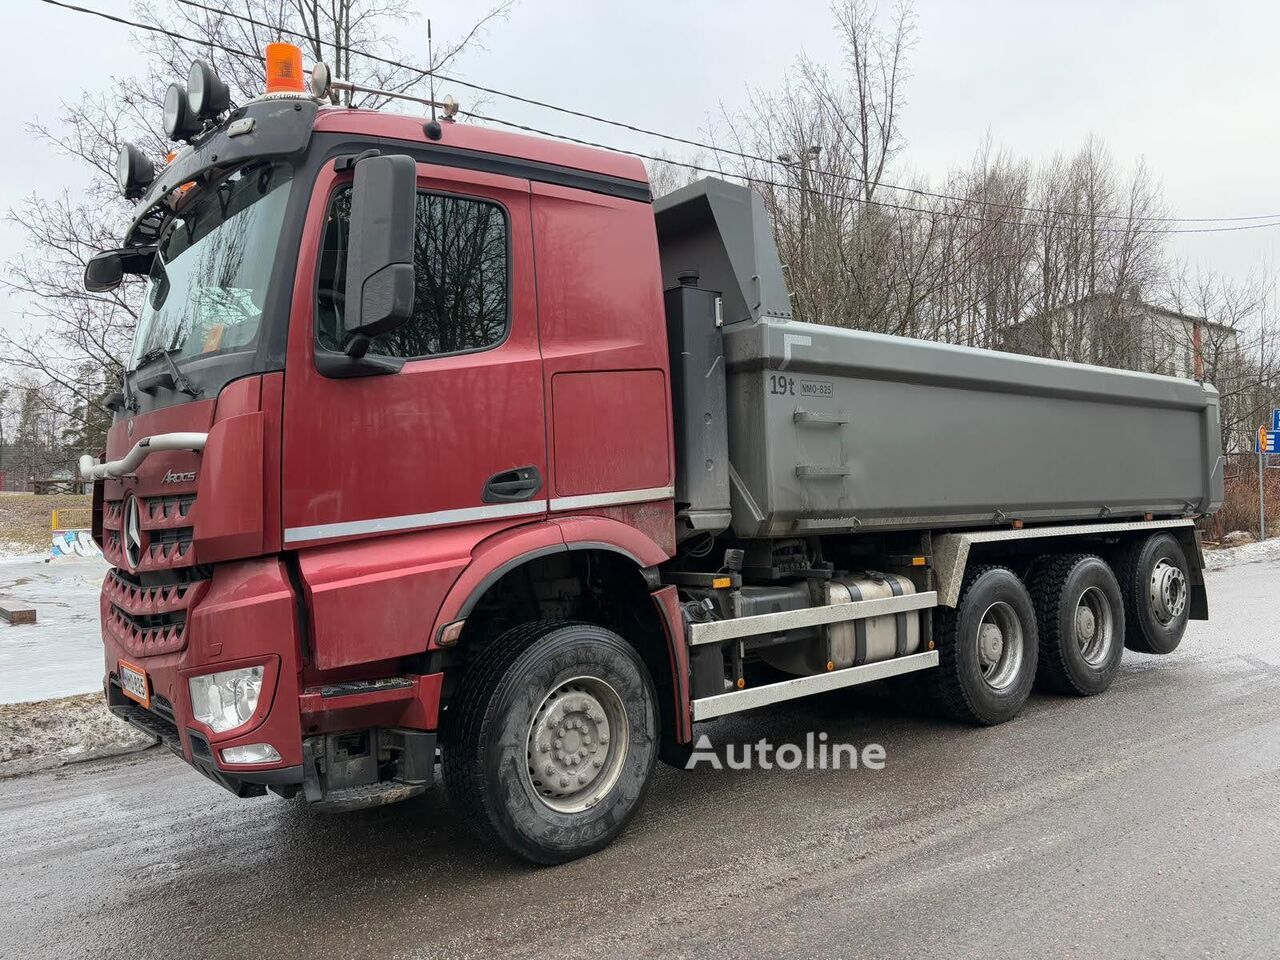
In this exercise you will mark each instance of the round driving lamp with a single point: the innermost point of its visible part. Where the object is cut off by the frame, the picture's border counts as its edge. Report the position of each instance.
(179, 122)
(321, 81)
(207, 95)
(134, 172)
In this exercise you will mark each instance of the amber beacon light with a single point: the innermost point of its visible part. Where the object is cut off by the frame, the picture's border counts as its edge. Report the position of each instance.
(284, 69)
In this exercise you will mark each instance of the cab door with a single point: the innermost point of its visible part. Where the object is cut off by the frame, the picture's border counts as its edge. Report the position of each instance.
(419, 465)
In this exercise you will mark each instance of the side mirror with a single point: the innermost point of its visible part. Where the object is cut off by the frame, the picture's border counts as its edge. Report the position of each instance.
(380, 280)
(105, 271)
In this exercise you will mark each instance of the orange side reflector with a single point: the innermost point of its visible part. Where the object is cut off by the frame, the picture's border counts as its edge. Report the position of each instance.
(284, 69)
(722, 583)
(919, 561)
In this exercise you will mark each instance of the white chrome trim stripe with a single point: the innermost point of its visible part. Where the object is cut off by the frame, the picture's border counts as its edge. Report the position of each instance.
(720, 704)
(351, 528)
(613, 498)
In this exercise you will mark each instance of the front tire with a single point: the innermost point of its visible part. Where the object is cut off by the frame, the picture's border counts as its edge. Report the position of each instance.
(551, 740)
(1080, 617)
(988, 648)
(1156, 584)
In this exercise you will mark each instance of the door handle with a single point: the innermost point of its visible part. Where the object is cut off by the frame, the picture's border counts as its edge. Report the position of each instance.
(512, 486)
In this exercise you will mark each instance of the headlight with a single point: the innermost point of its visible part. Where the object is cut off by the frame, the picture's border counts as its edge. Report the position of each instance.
(226, 700)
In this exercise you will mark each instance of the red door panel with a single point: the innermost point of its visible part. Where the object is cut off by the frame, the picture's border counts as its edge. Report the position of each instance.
(375, 456)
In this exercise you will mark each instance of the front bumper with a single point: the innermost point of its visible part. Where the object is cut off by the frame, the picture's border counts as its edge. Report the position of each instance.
(247, 615)
(159, 721)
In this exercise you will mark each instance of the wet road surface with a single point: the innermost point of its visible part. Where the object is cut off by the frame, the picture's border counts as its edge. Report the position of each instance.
(1142, 823)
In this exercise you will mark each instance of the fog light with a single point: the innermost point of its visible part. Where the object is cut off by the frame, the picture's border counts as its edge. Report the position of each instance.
(226, 700)
(251, 753)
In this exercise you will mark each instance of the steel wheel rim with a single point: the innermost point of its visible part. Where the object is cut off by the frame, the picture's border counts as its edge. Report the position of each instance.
(577, 744)
(1168, 591)
(1000, 645)
(1094, 626)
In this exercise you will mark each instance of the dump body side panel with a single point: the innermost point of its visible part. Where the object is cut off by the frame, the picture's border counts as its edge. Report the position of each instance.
(835, 430)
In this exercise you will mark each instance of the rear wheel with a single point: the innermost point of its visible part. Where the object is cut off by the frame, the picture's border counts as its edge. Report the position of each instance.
(988, 648)
(1156, 584)
(1080, 618)
(551, 739)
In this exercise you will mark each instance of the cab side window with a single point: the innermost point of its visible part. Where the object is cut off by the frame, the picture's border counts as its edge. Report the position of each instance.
(461, 286)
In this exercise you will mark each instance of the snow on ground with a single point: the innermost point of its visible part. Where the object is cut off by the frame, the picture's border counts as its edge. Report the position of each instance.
(61, 653)
(58, 656)
(1267, 550)
(36, 736)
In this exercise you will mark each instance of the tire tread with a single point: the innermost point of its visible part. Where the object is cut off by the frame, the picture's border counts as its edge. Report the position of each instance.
(471, 706)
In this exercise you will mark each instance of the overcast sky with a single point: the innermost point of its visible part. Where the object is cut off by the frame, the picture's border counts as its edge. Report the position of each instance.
(1191, 86)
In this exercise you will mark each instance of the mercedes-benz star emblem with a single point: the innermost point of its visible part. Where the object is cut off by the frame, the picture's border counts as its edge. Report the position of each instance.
(132, 533)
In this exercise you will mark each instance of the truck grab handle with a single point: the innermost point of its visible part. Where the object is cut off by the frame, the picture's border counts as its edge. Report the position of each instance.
(90, 469)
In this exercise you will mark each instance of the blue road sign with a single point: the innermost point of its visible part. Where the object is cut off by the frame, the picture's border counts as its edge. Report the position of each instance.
(1268, 442)
(1275, 420)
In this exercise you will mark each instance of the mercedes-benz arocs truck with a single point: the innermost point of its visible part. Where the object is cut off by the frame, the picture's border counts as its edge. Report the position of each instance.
(444, 448)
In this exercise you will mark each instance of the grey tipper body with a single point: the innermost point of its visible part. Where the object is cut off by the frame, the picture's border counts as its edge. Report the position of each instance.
(832, 430)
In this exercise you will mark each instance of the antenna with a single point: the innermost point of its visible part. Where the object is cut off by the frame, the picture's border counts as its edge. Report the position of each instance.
(431, 62)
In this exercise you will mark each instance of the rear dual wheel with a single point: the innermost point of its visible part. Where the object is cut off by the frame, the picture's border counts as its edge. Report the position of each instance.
(1080, 619)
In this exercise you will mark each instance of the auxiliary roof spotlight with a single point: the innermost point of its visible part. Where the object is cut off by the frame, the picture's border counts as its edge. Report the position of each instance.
(207, 95)
(321, 81)
(179, 122)
(134, 172)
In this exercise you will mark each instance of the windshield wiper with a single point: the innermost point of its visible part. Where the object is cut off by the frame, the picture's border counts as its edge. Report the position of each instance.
(177, 379)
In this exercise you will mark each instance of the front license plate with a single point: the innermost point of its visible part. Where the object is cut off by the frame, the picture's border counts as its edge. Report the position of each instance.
(134, 683)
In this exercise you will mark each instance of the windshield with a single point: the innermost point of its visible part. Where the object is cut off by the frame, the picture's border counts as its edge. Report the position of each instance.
(209, 280)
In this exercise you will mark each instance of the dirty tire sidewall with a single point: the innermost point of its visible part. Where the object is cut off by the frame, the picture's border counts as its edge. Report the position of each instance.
(517, 814)
(961, 689)
(1144, 633)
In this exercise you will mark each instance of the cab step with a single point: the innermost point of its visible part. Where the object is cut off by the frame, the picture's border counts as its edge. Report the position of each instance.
(365, 795)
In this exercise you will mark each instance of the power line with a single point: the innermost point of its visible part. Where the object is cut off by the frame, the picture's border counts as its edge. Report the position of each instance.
(843, 196)
(742, 155)
(153, 29)
(1273, 222)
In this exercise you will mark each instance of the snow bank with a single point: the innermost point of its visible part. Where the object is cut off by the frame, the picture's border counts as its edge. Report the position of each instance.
(1267, 550)
(36, 736)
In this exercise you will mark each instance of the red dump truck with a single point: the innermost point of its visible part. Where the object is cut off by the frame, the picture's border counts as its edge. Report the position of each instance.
(440, 445)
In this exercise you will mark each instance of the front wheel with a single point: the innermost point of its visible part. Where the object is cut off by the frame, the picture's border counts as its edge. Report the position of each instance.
(552, 739)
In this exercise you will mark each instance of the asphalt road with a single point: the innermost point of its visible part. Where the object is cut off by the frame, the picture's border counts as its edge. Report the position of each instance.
(1142, 823)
